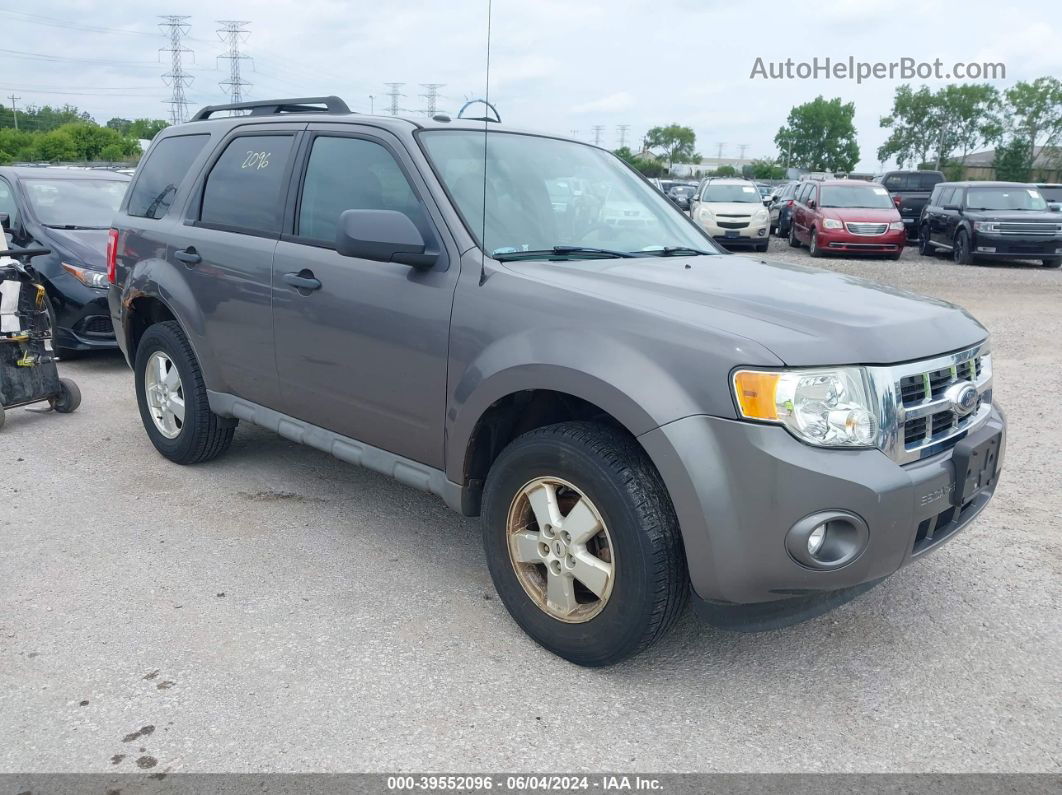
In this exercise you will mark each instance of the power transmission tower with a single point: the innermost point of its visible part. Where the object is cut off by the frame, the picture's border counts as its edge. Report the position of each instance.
(176, 28)
(14, 110)
(432, 96)
(233, 33)
(622, 129)
(741, 149)
(598, 129)
(719, 155)
(394, 94)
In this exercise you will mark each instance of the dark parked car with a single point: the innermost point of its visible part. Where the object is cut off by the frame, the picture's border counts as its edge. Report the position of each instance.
(850, 216)
(681, 194)
(781, 208)
(632, 411)
(996, 220)
(910, 191)
(68, 211)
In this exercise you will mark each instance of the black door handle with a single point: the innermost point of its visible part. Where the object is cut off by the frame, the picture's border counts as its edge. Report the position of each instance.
(303, 280)
(188, 256)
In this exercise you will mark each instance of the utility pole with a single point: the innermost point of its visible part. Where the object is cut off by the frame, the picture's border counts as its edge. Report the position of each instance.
(176, 28)
(622, 130)
(14, 110)
(432, 96)
(719, 153)
(372, 105)
(598, 129)
(741, 149)
(394, 94)
(233, 33)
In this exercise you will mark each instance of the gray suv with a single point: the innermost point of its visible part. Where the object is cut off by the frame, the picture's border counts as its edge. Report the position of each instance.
(522, 325)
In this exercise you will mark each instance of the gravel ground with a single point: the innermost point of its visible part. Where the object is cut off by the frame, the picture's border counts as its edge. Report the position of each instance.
(278, 611)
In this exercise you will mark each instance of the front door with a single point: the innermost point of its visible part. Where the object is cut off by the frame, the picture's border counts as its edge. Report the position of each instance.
(364, 353)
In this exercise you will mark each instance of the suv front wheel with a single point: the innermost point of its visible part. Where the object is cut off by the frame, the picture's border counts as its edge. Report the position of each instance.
(171, 394)
(961, 252)
(582, 542)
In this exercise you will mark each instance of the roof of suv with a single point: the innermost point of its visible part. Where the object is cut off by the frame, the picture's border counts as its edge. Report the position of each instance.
(61, 172)
(983, 184)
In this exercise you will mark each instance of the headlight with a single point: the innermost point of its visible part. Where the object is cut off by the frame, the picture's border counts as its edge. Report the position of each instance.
(87, 276)
(826, 408)
(896, 226)
(986, 226)
(831, 223)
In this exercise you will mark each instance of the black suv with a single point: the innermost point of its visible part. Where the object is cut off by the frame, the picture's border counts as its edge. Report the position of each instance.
(999, 220)
(909, 191)
(67, 210)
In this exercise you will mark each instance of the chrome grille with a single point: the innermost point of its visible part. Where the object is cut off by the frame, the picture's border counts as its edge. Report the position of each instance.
(1029, 228)
(866, 229)
(919, 419)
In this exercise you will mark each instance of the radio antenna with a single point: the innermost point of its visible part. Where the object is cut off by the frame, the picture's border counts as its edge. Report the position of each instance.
(486, 126)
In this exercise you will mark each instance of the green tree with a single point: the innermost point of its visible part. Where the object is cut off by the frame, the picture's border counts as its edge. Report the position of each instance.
(820, 135)
(674, 141)
(913, 136)
(1014, 160)
(1034, 114)
(725, 171)
(55, 146)
(765, 169)
(146, 128)
(966, 118)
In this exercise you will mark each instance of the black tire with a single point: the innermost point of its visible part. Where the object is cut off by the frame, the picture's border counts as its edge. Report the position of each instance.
(961, 252)
(925, 248)
(793, 241)
(897, 255)
(813, 244)
(203, 435)
(1052, 262)
(650, 582)
(69, 397)
(761, 247)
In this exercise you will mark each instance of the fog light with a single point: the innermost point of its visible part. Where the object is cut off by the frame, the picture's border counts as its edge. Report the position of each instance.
(818, 535)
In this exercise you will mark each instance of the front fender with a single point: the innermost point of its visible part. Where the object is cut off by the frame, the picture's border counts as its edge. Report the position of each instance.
(602, 370)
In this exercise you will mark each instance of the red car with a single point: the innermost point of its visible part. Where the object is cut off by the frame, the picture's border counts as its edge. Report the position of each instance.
(848, 216)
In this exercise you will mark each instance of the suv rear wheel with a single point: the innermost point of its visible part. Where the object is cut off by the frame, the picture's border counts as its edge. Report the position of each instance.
(925, 248)
(582, 542)
(171, 394)
(1052, 262)
(794, 242)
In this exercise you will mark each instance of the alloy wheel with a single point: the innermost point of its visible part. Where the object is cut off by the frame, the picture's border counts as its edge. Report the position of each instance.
(165, 394)
(561, 550)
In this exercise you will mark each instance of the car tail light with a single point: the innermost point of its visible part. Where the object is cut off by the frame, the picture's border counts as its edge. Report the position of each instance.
(112, 255)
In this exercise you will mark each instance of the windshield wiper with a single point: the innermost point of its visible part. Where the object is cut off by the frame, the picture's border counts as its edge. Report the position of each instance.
(562, 250)
(679, 251)
(73, 226)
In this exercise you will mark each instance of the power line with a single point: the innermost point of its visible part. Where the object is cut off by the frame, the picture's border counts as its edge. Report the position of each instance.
(233, 32)
(177, 79)
(432, 96)
(394, 94)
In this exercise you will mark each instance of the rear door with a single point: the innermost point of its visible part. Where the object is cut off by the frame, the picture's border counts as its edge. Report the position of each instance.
(365, 353)
(235, 219)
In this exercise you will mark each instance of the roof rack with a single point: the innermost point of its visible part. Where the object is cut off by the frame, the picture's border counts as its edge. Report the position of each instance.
(271, 107)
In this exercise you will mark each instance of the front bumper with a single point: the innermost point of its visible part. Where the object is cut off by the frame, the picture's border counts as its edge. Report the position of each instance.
(739, 487)
(842, 240)
(82, 317)
(754, 233)
(1016, 246)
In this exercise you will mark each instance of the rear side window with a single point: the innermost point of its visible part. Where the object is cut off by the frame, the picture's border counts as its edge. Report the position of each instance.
(161, 175)
(927, 180)
(350, 174)
(898, 182)
(245, 188)
(950, 197)
(7, 202)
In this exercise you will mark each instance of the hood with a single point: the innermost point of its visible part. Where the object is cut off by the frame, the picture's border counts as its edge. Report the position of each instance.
(884, 215)
(733, 208)
(805, 316)
(87, 247)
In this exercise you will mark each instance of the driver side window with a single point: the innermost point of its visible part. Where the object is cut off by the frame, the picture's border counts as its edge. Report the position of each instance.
(7, 202)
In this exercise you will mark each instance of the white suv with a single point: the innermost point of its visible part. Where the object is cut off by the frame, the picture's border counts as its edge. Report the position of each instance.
(732, 212)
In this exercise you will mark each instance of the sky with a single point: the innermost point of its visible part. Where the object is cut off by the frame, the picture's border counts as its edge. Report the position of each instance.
(563, 66)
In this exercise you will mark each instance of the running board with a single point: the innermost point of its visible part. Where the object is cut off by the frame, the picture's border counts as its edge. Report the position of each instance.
(404, 470)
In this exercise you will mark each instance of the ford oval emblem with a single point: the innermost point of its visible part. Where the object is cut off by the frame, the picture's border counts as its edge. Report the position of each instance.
(963, 397)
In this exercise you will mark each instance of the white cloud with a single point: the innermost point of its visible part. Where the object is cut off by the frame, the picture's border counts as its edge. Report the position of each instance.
(613, 103)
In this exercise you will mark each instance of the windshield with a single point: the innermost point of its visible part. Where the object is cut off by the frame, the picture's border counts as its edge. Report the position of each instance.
(732, 193)
(1005, 199)
(683, 190)
(545, 192)
(868, 196)
(82, 203)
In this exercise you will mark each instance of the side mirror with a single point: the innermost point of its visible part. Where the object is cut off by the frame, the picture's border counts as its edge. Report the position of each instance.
(811, 204)
(5, 222)
(1054, 207)
(383, 236)
(951, 207)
